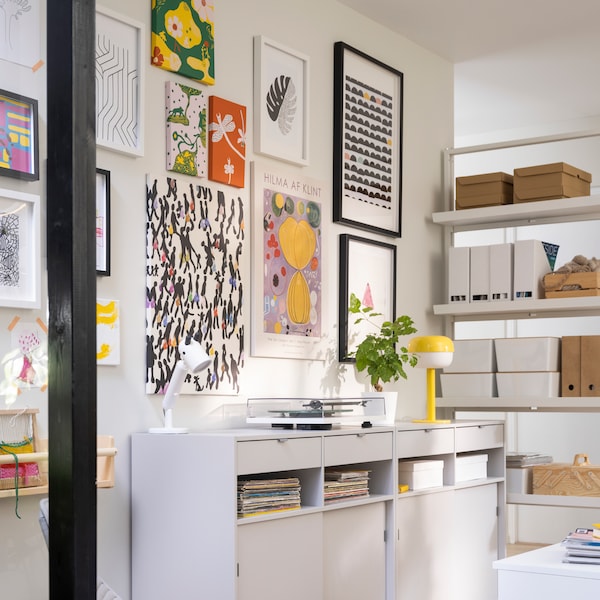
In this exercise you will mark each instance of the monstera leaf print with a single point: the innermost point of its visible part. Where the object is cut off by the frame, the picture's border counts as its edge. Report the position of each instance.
(281, 103)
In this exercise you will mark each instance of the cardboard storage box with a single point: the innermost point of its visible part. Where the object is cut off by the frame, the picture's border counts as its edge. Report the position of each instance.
(470, 466)
(456, 385)
(528, 354)
(546, 182)
(580, 357)
(421, 474)
(473, 356)
(563, 479)
(488, 189)
(543, 384)
(519, 480)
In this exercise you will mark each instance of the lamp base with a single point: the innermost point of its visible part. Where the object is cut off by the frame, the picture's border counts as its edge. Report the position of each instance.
(168, 430)
(431, 421)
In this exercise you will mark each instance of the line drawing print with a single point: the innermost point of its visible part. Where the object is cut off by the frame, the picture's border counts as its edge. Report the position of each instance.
(20, 31)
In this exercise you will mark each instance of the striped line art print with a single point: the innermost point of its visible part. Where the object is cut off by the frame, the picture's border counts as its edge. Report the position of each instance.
(118, 84)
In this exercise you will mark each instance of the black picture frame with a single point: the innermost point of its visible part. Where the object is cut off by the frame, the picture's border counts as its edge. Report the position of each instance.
(367, 269)
(19, 136)
(102, 222)
(367, 142)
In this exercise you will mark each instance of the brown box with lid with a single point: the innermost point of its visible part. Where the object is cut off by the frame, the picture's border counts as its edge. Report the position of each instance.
(551, 181)
(487, 189)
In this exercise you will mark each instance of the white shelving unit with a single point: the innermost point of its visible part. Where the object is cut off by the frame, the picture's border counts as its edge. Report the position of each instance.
(568, 210)
(187, 537)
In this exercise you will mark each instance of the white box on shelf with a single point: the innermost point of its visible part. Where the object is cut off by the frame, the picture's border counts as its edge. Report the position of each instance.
(457, 385)
(528, 354)
(519, 480)
(473, 356)
(501, 272)
(421, 474)
(458, 274)
(544, 384)
(480, 274)
(530, 266)
(470, 466)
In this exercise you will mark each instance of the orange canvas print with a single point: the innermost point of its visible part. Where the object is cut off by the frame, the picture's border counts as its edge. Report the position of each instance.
(226, 141)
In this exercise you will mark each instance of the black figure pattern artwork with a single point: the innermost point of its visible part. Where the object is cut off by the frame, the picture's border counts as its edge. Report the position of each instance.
(195, 243)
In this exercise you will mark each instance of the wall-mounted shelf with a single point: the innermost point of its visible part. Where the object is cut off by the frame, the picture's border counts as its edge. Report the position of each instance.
(521, 404)
(105, 466)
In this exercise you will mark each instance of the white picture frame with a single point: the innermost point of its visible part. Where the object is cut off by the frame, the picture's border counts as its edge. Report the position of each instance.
(20, 249)
(281, 98)
(119, 83)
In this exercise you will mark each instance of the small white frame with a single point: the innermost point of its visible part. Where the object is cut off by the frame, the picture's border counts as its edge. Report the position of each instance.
(119, 116)
(276, 136)
(19, 249)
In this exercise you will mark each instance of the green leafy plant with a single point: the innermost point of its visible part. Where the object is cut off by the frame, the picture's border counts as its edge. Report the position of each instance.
(378, 353)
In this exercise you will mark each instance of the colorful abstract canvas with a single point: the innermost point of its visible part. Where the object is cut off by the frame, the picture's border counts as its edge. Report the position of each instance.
(226, 142)
(186, 116)
(108, 344)
(194, 285)
(183, 38)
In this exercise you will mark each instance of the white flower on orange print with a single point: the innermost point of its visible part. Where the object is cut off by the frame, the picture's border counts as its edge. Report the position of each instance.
(221, 128)
(229, 169)
(175, 27)
(205, 11)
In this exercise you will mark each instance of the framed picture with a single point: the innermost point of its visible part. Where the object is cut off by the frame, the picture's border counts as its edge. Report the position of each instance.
(183, 38)
(367, 142)
(280, 102)
(19, 249)
(119, 83)
(367, 270)
(102, 222)
(18, 136)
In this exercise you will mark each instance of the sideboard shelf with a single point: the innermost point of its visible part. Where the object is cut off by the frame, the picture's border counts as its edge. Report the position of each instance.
(521, 404)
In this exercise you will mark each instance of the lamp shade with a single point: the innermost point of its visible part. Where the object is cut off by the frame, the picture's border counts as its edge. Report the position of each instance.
(433, 351)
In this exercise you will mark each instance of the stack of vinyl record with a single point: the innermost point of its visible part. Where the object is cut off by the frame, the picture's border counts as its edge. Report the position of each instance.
(345, 485)
(261, 496)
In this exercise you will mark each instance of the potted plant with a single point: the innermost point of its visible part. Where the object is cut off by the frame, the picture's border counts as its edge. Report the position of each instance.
(378, 353)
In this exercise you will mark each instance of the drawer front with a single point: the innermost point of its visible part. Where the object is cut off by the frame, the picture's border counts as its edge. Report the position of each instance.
(479, 437)
(280, 454)
(424, 442)
(357, 448)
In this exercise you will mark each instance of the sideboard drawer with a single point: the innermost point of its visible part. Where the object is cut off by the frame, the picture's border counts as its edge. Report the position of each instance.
(280, 454)
(424, 442)
(479, 437)
(357, 448)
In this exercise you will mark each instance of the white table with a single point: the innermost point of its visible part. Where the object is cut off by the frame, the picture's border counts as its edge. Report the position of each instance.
(542, 574)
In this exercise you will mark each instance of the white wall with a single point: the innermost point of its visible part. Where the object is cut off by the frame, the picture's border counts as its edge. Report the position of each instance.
(311, 27)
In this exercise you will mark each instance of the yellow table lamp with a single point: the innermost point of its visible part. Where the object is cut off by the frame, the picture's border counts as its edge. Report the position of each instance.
(433, 352)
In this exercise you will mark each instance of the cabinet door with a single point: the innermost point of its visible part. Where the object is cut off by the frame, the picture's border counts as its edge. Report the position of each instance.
(476, 536)
(281, 558)
(424, 552)
(354, 553)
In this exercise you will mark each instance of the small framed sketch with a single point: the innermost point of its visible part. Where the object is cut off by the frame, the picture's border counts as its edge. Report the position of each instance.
(102, 222)
(18, 136)
(368, 270)
(367, 142)
(280, 101)
(19, 249)
(119, 83)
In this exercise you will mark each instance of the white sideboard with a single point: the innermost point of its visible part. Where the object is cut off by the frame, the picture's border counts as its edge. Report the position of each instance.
(187, 540)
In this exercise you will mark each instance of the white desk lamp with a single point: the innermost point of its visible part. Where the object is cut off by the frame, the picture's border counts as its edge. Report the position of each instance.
(433, 352)
(193, 359)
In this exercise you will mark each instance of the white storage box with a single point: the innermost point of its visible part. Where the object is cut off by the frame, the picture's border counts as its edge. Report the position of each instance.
(528, 354)
(421, 474)
(468, 384)
(542, 384)
(530, 266)
(519, 480)
(473, 356)
(471, 466)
